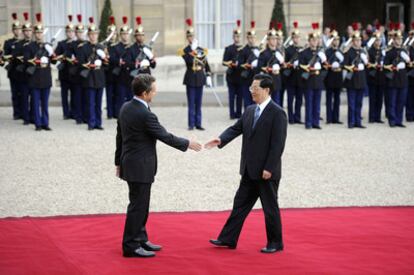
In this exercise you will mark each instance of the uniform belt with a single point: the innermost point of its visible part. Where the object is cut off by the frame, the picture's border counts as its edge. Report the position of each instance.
(197, 68)
(315, 72)
(41, 65)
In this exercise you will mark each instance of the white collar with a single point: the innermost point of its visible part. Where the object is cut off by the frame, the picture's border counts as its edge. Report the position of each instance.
(141, 100)
(263, 105)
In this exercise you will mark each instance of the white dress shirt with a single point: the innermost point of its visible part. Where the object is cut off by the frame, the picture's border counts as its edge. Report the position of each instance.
(141, 100)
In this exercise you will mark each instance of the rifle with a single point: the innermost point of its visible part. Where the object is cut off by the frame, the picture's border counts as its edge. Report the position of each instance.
(141, 55)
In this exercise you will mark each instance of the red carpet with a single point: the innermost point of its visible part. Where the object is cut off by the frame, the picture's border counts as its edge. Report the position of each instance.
(318, 241)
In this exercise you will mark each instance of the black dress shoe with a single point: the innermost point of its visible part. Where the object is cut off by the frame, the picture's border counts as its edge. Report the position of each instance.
(139, 252)
(190, 128)
(90, 128)
(150, 246)
(272, 249)
(360, 126)
(338, 122)
(350, 126)
(47, 128)
(200, 128)
(298, 122)
(400, 125)
(98, 128)
(317, 127)
(223, 244)
(26, 123)
(379, 121)
(38, 129)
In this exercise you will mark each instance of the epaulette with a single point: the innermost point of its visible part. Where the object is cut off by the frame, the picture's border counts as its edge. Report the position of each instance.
(27, 43)
(81, 44)
(205, 51)
(180, 52)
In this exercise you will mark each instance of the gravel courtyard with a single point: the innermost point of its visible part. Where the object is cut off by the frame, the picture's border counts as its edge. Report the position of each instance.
(71, 170)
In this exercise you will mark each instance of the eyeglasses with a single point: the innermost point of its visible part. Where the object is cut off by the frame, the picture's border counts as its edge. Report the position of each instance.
(254, 88)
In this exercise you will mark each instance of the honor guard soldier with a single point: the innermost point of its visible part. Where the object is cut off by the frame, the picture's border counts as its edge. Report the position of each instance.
(248, 59)
(78, 98)
(230, 60)
(110, 87)
(9, 51)
(197, 75)
(334, 79)
(21, 48)
(140, 58)
(395, 65)
(92, 58)
(270, 62)
(409, 112)
(292, 77)
(121, 71)
(280, 47)
(376, 78)
(37, 57)
(66, 85)
(311, 60)
(355, 78)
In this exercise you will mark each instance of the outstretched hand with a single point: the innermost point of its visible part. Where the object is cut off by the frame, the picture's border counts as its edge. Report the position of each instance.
(195, 146)
(212, 143)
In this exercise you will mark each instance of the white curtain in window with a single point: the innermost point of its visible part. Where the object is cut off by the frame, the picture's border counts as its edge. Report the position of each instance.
(55, 14)
(213, 15)
(231, 10)
(205, 16)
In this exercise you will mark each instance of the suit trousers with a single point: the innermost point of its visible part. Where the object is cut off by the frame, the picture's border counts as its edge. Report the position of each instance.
(247, 194)
(137, 215)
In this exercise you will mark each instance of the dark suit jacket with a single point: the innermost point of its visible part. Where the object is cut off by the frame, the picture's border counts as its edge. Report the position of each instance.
(262, 146)
(137, 133)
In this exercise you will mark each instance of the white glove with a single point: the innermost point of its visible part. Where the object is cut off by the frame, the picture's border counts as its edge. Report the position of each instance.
(401, 66)
(49, 49)
(383, 52)
(101, 53)
(322, 56)
(256, 52)
(364, 58)
(340, 56)
(209, 83)
(275, 67)
(194, 45)
(280, 57)
(405, 56)
(317, 66)
(145, 63)
(295, 63)
(44, 60)
(148, 53)
(98, 63)
(361, 67)
(254, 63)
(335, 65)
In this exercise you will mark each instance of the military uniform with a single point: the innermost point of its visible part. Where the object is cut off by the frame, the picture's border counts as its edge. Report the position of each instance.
(123, 81)
(409, 112)
(92, 58)
(110, 85)
(292, 78)
(333, 82)
(66, 85)
(37, 56)
(355, 83)
(9, 55)
(197, 75)
(230, 60)
(310, 62)
(397, 81)
(376, 83)
(270, 62)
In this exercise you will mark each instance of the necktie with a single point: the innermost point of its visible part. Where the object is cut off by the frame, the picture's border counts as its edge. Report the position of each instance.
(256, 116)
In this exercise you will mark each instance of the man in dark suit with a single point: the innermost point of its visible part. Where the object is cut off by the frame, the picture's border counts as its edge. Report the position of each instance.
(136, 161)
(263, 127)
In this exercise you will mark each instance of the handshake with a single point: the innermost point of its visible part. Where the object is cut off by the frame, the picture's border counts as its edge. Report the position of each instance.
(196, 146)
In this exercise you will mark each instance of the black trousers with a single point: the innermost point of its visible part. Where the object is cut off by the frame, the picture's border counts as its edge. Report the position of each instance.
(136, 216)
(246, 197)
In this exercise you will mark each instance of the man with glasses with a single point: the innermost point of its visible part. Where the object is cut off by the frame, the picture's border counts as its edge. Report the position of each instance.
(263, 127)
